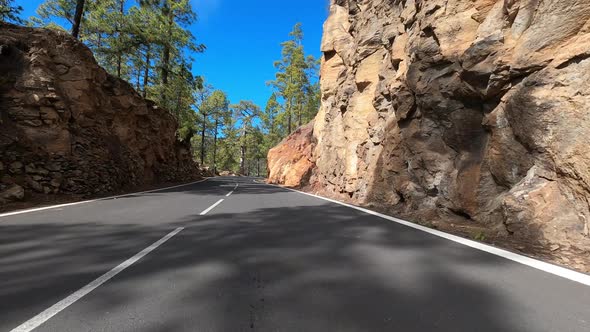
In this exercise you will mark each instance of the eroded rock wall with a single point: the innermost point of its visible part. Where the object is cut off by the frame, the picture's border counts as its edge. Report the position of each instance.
(68, 127)
(475, 108)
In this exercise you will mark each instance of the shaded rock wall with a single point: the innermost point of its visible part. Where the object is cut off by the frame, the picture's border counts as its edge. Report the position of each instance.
(475, 108)
(69, 127)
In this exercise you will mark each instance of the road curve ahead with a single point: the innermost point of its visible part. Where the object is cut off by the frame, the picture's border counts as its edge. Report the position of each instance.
(229, 254)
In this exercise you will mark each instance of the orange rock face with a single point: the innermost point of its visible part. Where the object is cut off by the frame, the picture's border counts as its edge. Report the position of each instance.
(68, 127)
(290, 163)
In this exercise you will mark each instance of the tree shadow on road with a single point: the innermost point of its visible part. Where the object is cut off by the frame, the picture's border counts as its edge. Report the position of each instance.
(313, 267)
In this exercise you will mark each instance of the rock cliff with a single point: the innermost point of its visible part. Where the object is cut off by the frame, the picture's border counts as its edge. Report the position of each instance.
(478, 109)
(68, 127)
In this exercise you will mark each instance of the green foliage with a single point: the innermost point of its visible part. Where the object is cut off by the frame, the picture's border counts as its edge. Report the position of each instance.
(237, 138)
(294, 85)
(50, 9)
(212, 113)
(149, 43)
(479, 236)
(10, 12)
(186, 131)
(229, 150)
(146, 42)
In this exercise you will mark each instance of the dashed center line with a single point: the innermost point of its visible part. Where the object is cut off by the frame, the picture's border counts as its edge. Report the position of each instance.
(44, 316)
(41, 318)
(211, 207)
(231, 192)
(218, 202)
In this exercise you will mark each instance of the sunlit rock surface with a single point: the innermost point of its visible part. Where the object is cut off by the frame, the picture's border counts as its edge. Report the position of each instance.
(473, 108)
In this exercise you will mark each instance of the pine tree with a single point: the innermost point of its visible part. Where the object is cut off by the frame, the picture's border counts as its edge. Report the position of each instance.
(229, 148)
(78, 18)
(50, 9)
(256, 151)
(203, 108)
(218, 108)
(143, 22)
(174, 17)
(271, 128)
(293, 82)
(10, 12)
(147, 44)
(245, 112)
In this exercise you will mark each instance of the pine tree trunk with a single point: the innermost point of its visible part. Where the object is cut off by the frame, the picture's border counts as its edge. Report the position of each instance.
(119, 52)
(289, 116)
(78, 18)
(119, 60)
(146, 74)
(203, 139)
(243, 152)
(165, 64)
(166, 52)
(272, 124)
(178, 103)
(242, 160)
(215, 147)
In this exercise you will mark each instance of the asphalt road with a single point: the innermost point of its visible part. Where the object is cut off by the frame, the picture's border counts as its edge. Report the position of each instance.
(264, 259)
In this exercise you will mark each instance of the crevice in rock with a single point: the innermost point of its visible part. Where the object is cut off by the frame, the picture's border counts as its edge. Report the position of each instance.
(432, 10)
(432, 192)
(395, 63)
(328, 55)
(461, 213)
(402, 199)
(575, 60)
(361, 86)
(429, 32)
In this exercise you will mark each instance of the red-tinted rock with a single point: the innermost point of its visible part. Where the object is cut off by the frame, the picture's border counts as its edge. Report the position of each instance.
(290, 163)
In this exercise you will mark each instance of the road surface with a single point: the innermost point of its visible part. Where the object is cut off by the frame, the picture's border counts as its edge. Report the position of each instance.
(263, 259)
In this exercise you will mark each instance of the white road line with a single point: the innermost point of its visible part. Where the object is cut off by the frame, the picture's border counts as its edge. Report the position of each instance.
(94, 200)
(41, 318)
(231, 192)
(534, 263)
(211, 207)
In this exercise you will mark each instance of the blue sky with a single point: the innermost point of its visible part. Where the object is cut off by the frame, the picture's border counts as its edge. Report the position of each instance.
(243, 40)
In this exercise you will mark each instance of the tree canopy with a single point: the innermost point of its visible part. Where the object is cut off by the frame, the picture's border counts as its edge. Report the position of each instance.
(10, 12)
(149, 44)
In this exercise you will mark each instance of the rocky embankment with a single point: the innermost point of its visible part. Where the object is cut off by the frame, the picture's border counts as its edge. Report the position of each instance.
(469, 109)
(68, 127)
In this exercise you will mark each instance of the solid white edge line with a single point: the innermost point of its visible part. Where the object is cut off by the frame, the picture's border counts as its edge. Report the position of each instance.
(211, 207)
(44, 316)
(534, 263)
(94, 200)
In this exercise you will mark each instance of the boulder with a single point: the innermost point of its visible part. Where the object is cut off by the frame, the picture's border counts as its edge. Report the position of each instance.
(290, 162)
(12, 193)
